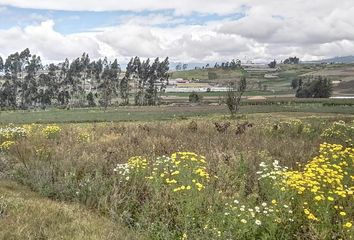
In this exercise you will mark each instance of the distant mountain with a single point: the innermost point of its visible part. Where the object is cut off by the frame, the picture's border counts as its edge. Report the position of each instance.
(345, 59)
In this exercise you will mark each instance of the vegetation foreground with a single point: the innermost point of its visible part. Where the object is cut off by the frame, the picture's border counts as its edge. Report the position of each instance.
(251, 178)
(25, 215)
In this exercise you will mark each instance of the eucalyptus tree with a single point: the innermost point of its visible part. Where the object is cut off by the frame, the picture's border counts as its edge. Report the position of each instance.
(30, 91)
(144, 73)
(163, 75)
(151, 78)
(64, 89)
(110, 81)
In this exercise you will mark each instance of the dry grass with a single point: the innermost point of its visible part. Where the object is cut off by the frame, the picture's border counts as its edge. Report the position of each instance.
(25, 215)
(78, 166)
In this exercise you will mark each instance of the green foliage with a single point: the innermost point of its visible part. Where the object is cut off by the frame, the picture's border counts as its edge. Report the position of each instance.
(195, 97)
(68, 84)
(234, 95)
(151, 79)
(90, 99)
(26, 215)
(319, 87)
(340, 132)
(295, 83)
(319, 193)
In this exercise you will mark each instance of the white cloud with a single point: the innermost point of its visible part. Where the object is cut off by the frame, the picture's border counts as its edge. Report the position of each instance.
(45, 41)
(270, 29)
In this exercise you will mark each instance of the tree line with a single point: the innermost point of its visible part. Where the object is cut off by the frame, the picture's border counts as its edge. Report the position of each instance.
(233, 64)
(312, 87)
(26, 83)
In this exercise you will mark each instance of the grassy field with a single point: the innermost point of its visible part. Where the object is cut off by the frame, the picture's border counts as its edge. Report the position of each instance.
(253, 177)
(128, 114)
(202, 74)
(26, 215)
(222, 94)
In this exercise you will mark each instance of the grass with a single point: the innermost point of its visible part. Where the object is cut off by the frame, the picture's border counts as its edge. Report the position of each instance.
(26, 215)
(207, 177)
(176, 196)
(112, 114)
(163, 113)
(222, 94)
(202, 74)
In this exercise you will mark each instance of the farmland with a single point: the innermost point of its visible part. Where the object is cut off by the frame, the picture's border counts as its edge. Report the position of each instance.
(264, 81)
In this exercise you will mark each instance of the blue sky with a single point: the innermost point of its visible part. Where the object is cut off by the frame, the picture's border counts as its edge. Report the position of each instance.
(185, 30)
(68, 22)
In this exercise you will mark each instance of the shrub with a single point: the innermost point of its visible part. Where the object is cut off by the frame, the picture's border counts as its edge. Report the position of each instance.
(321, 193)
(340, 132)
(195, 97)
(51, 131)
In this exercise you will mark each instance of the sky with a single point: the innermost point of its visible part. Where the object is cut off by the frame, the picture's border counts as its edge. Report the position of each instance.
(189, 31)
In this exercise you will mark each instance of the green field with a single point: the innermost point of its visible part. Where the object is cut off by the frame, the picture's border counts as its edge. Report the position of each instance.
(202, 74)
(128, 114)
(222, 94)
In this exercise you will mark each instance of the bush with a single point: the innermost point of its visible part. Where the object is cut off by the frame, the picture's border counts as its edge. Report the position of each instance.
(320, 194)
(126, 171)
(340, 132)
(195, 97)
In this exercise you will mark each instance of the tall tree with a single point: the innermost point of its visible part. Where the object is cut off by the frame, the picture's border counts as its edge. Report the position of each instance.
(110, 80)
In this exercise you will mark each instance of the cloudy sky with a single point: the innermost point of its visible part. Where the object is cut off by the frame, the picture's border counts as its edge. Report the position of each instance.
(185, 30)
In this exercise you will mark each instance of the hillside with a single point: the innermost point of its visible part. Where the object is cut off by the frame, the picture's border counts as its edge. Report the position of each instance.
(276, 81)
(344, 59)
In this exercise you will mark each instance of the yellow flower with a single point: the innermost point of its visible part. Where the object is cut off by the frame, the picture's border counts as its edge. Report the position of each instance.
(199, 186)
(330, 199)
(312, 217)
(348, 225)
(51, 131)
(175, 173)
(342, 213)
(318, 198)
(6, 145)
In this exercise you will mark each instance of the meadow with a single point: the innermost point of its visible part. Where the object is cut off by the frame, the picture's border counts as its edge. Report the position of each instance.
(176, 109)
(286, 175)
